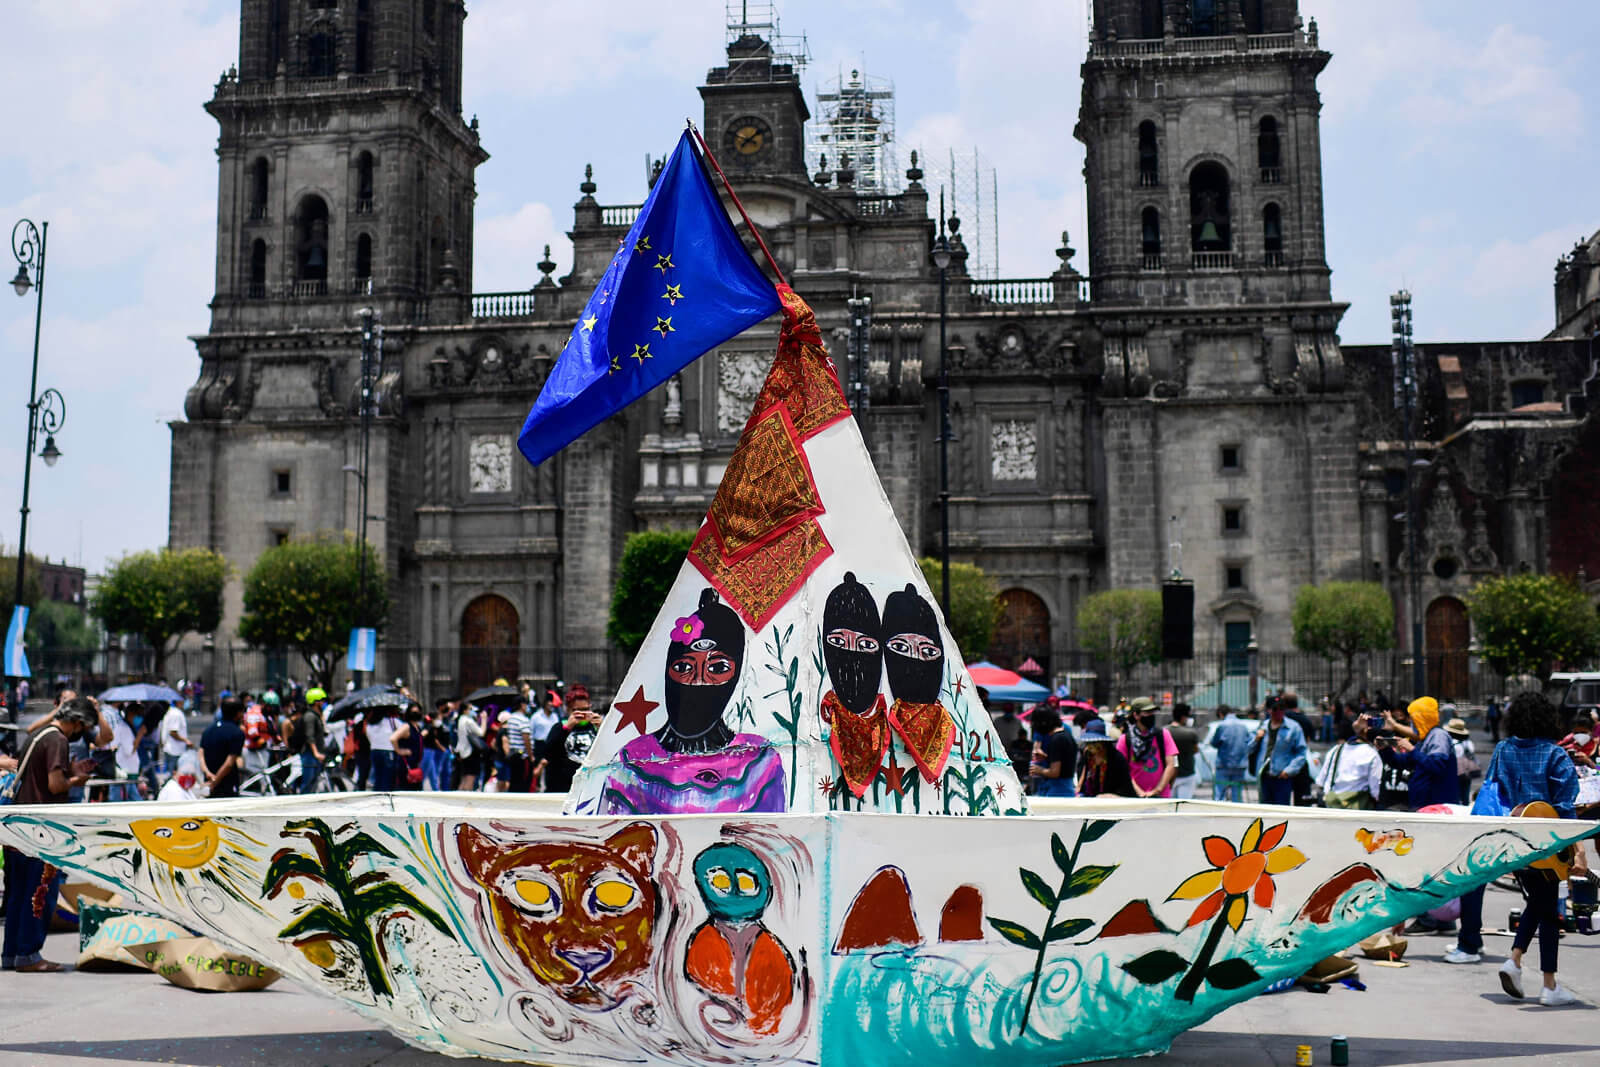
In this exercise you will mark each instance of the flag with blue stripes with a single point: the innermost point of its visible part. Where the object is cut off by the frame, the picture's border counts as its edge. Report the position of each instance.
(363, 654)
(16, 656)
(680, 284)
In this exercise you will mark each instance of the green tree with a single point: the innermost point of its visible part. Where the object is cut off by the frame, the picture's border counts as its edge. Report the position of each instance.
(1343, 620)
(1122, 626)
(974, 605)
(163, 595)
(1530, 623)
(307, 595)
(650, 563)
(55, 626)
(32, 590)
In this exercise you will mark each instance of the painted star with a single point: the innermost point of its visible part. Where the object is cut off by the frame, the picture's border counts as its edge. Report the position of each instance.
(895, 777)
(642, 244)
(673, 294)
(588, 323)
(616, 365)
(635, 711)
(664, 326)
(664, 263)
(641, 352)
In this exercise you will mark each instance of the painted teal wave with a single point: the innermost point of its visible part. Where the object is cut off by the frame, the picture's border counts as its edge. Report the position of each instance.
(961, 1004)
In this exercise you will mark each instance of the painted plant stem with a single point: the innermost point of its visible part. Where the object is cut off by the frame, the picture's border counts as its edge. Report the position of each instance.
(1197, 970)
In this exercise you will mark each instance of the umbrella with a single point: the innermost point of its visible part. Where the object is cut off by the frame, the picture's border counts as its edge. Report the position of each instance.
(1006, 686)
(491, 692)
(140, 693)
(373, 696)
(1029, 666)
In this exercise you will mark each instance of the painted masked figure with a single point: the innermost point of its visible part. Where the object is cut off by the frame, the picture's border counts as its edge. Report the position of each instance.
(914, 661)
(732, 956)
(695, 762)
(852, 648)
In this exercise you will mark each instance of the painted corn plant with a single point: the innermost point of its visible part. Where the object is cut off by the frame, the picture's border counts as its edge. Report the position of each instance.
(1075, 882)
(787, 668)
(1236, 877)
(368, 899)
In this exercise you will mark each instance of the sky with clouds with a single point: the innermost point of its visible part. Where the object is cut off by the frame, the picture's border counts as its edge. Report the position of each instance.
(1459, 151)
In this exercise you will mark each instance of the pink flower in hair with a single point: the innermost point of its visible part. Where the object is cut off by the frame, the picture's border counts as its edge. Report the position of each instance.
(688, 629)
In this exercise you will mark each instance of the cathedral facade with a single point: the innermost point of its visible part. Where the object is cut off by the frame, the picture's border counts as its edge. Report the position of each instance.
(1187, 386)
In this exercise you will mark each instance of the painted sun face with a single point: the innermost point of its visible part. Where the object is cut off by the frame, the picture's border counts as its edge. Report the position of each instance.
(181, 843)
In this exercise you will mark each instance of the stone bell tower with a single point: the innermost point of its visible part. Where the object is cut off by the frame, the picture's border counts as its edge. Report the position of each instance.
(1227, 427)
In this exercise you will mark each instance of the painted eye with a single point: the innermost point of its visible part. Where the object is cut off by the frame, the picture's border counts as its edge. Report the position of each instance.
(683, 666)
(719, 666)
(191, 826)
(719, 880)
(614, 896)
(837, 639)
(535, 897)
(165, 831)
(747, 884)
(900, 646)
(866, 644)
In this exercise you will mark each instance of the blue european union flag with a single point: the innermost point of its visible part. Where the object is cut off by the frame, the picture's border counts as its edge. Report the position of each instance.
(680, 284)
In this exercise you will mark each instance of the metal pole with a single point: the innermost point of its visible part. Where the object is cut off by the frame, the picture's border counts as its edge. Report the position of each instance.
(367, 316)
(944, 432)
(1401, 305)
(33, 389)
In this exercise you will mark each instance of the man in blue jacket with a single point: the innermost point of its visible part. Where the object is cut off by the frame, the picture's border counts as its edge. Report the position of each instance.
(1277, 754)
(1431, 761)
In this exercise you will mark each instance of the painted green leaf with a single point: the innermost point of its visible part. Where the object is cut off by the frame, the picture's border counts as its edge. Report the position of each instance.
(1232, 974)
(286, 865)
(1016, 933)
(1097, 829)
(1067, 928)
(392, 896)
(1063, 858)
(359, 844)
(1086, 880)
(1037, 888)
(794, 672)
(320, 920)
(1156, 967)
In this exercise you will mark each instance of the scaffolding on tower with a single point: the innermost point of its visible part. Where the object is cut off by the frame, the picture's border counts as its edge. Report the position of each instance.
(758, 50)
(856, 120)
(972, 191)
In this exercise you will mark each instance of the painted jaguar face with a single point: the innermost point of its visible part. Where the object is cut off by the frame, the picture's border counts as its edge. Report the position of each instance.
(182, 843)
(578, 915)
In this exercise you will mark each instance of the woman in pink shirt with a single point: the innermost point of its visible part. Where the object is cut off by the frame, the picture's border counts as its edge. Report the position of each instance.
(1152, 754)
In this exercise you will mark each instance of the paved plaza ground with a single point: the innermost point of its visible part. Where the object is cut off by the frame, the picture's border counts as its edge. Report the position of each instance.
(1426, 1013)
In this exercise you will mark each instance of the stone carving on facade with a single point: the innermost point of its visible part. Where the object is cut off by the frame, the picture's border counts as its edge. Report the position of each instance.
(238, 397)
(1063, 458)
(1444, 530)
(211, 394)
(880, 356)
(909, 382)
(489, 463)
(1014, 450)
(1480, 557)
(322, 381)
(489, 367)
(672, 411)
(1012, 349)
(1127, 365)
(739, 379)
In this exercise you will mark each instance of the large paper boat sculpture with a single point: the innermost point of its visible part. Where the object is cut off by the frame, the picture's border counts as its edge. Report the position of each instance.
(790, 842)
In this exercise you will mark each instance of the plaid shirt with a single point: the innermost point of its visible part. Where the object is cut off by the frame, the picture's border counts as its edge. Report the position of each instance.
(1529, 769)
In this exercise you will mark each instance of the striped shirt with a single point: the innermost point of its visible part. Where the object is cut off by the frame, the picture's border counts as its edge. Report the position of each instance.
(518, 734)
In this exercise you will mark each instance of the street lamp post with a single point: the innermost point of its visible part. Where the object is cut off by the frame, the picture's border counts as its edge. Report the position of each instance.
(1405, 358)
(941, 260)
(46, 411)
(371, 338)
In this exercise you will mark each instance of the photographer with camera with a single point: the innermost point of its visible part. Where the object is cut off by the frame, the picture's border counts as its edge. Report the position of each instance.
(1431, 761)
(1353, 772)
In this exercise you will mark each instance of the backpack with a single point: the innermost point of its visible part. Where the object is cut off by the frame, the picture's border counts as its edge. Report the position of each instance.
(257, 731)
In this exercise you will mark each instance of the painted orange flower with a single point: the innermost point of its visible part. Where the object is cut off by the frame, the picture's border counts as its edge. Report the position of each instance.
(1236, 875)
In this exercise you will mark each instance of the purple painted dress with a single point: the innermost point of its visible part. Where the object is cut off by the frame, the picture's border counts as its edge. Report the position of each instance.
(746, 775)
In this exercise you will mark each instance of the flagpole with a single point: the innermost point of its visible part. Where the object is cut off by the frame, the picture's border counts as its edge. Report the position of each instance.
(701, 141)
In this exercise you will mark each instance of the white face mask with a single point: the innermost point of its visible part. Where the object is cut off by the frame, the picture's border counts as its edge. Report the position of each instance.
(1582, 739)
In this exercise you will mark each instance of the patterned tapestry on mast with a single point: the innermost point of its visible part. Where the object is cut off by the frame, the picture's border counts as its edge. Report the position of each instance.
(799, 662)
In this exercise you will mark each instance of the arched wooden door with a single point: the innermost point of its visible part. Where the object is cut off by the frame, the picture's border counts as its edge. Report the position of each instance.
(490, 637)
(1022, 631)
(1446, 638)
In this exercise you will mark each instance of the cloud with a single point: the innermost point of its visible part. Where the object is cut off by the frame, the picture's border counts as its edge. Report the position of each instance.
(507, 247)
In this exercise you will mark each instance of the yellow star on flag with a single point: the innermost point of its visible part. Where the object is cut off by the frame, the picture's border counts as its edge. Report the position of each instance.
(642, 244)
(664, 326)
(616, 365)
(588, 323)
(673, 294)
(664, 263)
(641, 352)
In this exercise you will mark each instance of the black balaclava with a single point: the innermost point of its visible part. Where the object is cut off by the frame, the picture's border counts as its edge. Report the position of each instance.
(694, 711)
(855, 673)
(912, 678)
